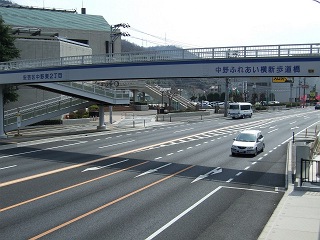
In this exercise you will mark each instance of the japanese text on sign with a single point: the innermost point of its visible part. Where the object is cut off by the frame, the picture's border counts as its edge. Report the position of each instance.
(42, 76)
(259, 69)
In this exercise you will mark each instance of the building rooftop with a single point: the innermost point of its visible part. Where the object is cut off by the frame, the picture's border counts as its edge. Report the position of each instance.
(51, 18)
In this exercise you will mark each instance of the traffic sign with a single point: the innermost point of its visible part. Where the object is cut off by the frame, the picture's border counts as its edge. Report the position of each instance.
(282, 80)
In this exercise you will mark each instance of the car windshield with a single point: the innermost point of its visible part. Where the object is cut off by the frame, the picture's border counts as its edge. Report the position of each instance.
(246, 137)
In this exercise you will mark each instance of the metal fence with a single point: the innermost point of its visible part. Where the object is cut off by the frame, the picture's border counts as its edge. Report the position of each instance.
(310, 171)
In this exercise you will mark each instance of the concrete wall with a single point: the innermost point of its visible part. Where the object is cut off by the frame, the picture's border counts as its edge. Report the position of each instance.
(96, 39)
(37, 48)
(28, 95)
(67, 49)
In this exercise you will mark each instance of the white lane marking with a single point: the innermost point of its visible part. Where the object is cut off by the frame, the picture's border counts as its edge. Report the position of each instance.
(260, 158)
(152, 170)
(157, 158)
(212, 172)
(169, 154)
(189, 147)
(250, 189)
(180, 150)
(115, 144)
(12, 166)
(293, 122)
(183, 130)
(40, 150)
(247, 168)
(253, 163)
(294, 127)
(230, 180)
(96, 140)
(239, 173)
(273, 130)
(198, 145)
(100, 167)
(182, 214)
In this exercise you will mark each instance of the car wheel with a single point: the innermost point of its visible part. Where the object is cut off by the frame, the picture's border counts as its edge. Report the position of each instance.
(233, 154)
(262, 149)
(255, 152)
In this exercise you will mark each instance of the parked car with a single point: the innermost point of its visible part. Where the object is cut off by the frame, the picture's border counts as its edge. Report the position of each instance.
(317, 106)
(248, 142)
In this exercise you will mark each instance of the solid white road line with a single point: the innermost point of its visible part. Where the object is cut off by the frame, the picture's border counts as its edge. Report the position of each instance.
(182, 214)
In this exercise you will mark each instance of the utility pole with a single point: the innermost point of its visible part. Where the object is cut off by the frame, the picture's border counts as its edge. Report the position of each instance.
(226, 98)
(115, 34)
(304, 92)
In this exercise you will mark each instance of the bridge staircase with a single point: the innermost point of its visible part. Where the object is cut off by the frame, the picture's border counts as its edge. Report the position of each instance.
(76, 95)
(37, 112)
(156, 92)
(87, 90)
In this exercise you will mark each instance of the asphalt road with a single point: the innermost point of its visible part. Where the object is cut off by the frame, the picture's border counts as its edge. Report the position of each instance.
(177, 181)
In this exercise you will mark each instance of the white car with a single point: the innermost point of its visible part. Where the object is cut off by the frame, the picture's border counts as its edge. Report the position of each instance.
(248, 142)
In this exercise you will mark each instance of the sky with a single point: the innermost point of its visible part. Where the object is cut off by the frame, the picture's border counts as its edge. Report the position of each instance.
(204, 23)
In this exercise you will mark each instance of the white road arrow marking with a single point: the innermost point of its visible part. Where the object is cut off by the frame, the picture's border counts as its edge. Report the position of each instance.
(100, 167)
(152, 170)
(212, 172)
(8, 167)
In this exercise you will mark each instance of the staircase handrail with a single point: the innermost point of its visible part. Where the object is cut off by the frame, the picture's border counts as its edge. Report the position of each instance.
(43, 107)
(97, 89)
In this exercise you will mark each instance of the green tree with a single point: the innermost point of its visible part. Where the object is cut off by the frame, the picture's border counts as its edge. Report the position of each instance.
(8, 51)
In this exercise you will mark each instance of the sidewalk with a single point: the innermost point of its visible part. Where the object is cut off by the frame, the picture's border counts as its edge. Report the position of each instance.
(297, 216)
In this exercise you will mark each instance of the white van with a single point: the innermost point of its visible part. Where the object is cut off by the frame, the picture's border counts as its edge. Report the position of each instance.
(240, 110)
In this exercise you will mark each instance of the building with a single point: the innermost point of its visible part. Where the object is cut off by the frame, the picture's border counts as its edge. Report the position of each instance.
(53, 33)
(30, 24)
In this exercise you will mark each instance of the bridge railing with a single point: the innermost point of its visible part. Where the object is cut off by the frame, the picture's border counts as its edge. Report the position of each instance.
(40, 108)
(97, 89)
(289, 50)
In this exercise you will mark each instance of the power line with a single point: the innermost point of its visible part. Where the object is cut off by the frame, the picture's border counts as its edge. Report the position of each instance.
(149, 41)
(166, 40)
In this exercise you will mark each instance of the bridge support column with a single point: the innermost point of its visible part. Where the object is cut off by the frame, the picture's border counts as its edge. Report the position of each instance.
(102, 125)
(143, 96)
(135, 95)
(2, 133)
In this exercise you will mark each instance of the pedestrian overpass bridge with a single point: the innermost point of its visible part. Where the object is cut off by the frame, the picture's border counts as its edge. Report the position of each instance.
(299, 60)
(290, 60)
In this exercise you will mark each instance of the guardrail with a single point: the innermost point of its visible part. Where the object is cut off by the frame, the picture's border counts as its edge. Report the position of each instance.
(288, 50)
